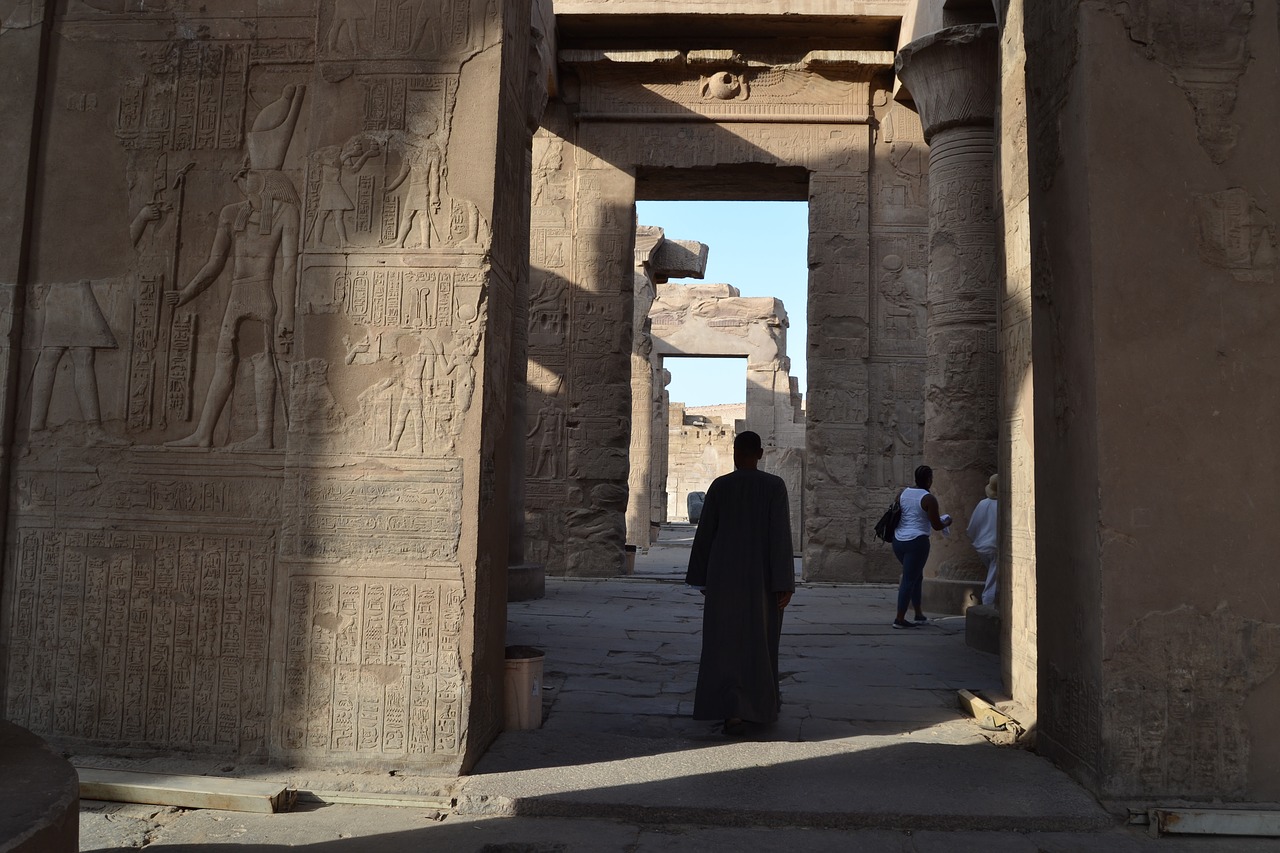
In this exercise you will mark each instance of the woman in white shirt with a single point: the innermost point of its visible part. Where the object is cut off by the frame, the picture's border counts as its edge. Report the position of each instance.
(920, 517)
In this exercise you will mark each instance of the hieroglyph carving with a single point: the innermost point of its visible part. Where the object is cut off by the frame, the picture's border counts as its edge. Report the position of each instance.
(390, 181)
(548, 442)
(390, 29)
(374, 667)
(192, 98)
(411, 322)
(1234, 233)
(1206, 48)
(374, 513)
(148, 639)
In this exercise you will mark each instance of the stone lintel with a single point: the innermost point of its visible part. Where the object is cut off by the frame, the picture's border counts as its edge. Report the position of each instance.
(844, 62)
(953, 77)
(587, 58)
(667, 259)
(680, 259)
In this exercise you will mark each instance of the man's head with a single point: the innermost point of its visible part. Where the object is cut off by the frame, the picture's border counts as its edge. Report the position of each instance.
(747, 450)
(924, 477)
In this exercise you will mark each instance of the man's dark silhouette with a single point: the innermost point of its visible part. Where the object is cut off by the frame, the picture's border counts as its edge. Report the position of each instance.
(742, 561)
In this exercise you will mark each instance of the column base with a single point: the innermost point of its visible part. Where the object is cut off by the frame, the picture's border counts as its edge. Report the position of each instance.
(526, 582)
(950, 597)
(982, 628)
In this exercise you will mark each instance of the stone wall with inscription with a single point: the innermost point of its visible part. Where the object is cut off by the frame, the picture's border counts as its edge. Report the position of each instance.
(265, 318)
(1152, 310)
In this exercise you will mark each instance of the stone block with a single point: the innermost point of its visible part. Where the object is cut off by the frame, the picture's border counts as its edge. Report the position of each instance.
(982, 628)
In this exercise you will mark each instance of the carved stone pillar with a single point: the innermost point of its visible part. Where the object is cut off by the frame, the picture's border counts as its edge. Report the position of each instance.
(639, 480)
(661, 439)
(599, 370)
(264, 458)
(952, 77)
(579, 353)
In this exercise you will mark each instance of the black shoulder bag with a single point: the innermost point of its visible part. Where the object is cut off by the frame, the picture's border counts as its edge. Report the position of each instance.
(888, 522)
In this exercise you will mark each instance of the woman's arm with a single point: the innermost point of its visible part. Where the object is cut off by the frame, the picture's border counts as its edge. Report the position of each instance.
(929, 504)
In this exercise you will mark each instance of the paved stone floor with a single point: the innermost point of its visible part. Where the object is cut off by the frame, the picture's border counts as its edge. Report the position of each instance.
(870, 754)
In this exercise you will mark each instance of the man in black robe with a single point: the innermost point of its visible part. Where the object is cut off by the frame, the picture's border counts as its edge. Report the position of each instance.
(742, 561)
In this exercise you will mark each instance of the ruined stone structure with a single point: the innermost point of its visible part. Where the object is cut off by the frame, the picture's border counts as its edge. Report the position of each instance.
(268, 289)
(657, 260)
(710, 320)
(700, 444)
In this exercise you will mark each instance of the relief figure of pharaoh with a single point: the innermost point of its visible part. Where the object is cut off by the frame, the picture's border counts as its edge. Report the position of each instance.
(259, 237)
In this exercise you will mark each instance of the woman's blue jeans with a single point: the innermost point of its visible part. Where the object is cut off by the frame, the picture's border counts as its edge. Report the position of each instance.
(913, 554)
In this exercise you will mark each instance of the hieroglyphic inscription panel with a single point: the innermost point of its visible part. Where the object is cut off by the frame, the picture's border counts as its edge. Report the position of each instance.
(374, 513)
(150, 639)
(374, 667)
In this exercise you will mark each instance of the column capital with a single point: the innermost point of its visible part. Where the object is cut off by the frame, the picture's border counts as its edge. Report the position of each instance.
(952, 75)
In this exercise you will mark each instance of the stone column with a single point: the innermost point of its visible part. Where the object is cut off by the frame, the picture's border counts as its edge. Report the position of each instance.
(952, 78)
(599, 369)
(579, 353)
(526, 579)
(639, 480)
(837, 433)
(1154, 267)
(661, 439)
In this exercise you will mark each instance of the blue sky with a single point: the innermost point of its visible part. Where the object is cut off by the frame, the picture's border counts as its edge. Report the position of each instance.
(759, 247)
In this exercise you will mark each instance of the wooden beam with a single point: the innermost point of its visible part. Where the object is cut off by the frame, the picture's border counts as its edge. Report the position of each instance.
(1214, 822)
(188, 792)
(437, 803)
(984, 712)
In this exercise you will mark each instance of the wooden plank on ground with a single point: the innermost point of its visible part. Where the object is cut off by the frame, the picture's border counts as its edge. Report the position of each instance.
(359, 798)
(188, 792)
(983, 711)
(1215, 822)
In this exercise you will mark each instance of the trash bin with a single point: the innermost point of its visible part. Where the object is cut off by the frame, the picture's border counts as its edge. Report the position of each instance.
(629, 567)
(522, 688)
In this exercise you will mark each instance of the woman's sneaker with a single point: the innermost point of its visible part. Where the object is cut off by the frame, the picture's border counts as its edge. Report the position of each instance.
(903, 623)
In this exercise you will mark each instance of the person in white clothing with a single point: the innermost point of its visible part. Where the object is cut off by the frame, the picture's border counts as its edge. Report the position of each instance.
(982, 533)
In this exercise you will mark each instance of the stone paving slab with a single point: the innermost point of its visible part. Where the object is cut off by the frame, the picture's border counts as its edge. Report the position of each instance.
(870, 734)
(372, 829)
(889, 781)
